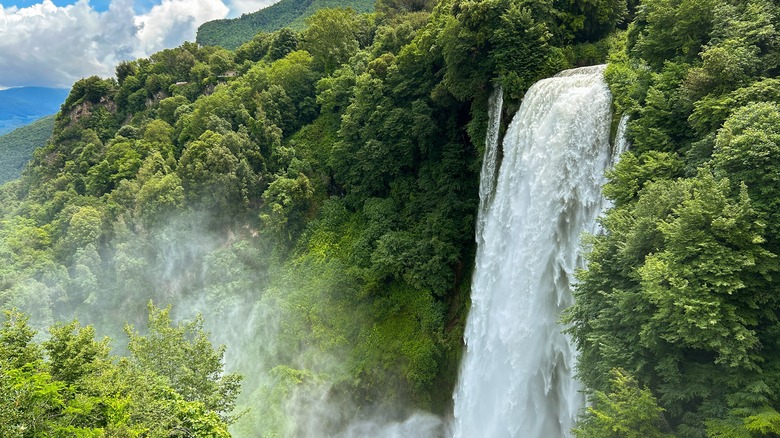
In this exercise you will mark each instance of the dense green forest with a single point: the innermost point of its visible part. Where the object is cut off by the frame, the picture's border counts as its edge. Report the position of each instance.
(677, 316)
(317, 209)
(17, 146)
(231, 33)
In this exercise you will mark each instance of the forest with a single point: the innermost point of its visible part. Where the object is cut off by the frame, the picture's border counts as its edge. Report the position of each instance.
(230, 33)
(18, 145)
(278, 240)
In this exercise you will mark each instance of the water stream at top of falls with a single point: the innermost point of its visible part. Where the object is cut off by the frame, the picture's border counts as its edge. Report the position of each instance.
(517, 375)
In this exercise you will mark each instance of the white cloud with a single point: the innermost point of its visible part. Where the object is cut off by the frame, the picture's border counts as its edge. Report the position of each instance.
(238, 7)
(47, 45)
(174, 21)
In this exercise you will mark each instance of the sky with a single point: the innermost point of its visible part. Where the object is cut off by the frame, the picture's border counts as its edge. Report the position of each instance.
(53, 43)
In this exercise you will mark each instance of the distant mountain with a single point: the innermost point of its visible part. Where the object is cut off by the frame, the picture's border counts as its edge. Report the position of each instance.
(23, 105)
(17, 146)
(231, 33)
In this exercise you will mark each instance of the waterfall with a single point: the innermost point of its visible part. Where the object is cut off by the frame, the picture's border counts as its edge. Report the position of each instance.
(517, 377)
(490, 158)
(621, 140)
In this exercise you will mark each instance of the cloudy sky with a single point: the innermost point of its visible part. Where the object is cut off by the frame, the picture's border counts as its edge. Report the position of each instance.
(53, 43)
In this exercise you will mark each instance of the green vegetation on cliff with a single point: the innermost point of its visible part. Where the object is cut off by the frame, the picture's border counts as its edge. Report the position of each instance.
(682, 290)
(313, 195)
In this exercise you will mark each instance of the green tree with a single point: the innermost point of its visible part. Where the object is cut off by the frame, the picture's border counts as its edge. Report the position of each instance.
(687, 261)
(16, 341)
(283, 42)
(289, 201)
(183, 355)
(747, 149)
(207, 169)
(627, 411)
(331, 37)
(73, 353)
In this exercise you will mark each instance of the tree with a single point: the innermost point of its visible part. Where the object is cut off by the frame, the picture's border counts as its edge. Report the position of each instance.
(687, 261)
(289, 201)
(183, 355)
(295, 75)
(590, 20)
(73, 353)
(671, 30)
(627, 411)
(207, 169)
(747, 149)
(331, 37)
(85, 227)
(16, 341)
(91, 90)
(78, 390)
(283, 41)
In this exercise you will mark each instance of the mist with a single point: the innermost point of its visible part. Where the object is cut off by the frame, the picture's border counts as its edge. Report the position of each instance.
(274, 317)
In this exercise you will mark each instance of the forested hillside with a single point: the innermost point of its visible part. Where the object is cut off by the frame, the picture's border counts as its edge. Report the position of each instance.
(17, 146)
(313, 195)
(230, 33)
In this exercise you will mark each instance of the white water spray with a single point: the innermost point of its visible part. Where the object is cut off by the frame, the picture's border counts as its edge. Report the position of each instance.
(517, 377)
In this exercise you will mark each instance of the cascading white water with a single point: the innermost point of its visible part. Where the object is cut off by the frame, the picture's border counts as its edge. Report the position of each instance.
(621, 140)
(490, 158)
(517, 373)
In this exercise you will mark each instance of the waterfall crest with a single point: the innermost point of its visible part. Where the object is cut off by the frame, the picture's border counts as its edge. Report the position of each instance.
(517, 372)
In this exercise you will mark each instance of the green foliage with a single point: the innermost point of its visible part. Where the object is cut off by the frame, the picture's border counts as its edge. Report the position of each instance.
(73, 352)
(290, 202)
(16, 347)
(17, 146)
(632, 173)
(183, 356)
(690, 250)
(671, 30)
(331, 36)
(233, 33)
(590, 20)
(747, 149)
(706, 284)
(521, 46)
(315, 194)
(88, 91)
(79, 390)
(627, 411)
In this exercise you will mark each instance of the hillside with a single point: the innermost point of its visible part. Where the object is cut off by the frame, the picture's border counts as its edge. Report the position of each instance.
(16, 147)
(23, 105)
(231, 33)
(310, 201)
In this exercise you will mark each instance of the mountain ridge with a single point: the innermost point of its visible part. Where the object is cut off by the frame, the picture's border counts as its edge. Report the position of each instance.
(23, 105)
(230, 33)
(17, 146)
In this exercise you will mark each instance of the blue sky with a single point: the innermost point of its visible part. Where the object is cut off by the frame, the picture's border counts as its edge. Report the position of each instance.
(53, 43)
